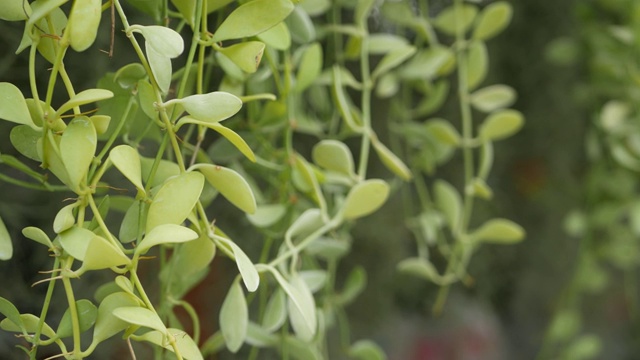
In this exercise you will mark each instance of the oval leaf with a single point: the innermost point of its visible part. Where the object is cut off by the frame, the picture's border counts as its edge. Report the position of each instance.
(391, 161)
(15, 10)
(501, 125)
(478, 61)
(365, 198)
(37, 235)
(85, 97)
(366, 350)
(449, 202)
(188, 348)
(334, 155)
(165, 234)
(77, 148)
(252, 18)
(277, 37)
(248, 271)
(11, 312)
(499, 231)
(234, 318)
(448, 22)
(13, 106)
(83, 24)
(127, 161)
(87, 313)
(108, 325)
(246, 55)
(493, 98)
(275, 313)
(160, 68)
(302, 309)
(212, 107)
(267, 215)
(393, 59)
(309, 68)
(102, 255)
(164, 41)
(140, 316)
(443, 131)
(75, 241)
(231, 185)
(235, 139)
(6, 248)
(64, 219)
(492, 20)
(175, 200)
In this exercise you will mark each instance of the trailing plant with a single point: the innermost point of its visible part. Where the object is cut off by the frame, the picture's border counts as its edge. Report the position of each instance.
(147, 155)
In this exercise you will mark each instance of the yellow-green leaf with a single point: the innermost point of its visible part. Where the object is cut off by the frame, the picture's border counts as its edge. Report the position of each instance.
(234, 318)
(333, 155)
(175, 200)
(492, 20)
(77, 148)
(85, 97)
(64, 218)
(83, 24)
(230, 184)
(165, 234)
(6, 248)
(127, 160)
(391, 161)
(443, 131)
(365, 198)
(448, 22)
(212, 107)
(252, 18)
(499, 231)
(449, 202)
(501, 125)
(309, 68)
(478, 61)
(13, 106)
(493, 98)
(277, 37)
(15, 10)
(246, 55)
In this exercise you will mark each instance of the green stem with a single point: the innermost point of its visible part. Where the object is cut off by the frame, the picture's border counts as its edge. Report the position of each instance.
(367, 85)
(75, 320)
(45, 310)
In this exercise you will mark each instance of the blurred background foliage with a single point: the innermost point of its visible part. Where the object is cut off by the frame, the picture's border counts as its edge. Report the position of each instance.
(569, 291)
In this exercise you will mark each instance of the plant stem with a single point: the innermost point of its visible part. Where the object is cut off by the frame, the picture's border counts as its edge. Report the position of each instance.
(75, 321)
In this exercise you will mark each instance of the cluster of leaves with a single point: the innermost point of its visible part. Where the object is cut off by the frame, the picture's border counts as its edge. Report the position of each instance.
(150, 133)
(608, 224)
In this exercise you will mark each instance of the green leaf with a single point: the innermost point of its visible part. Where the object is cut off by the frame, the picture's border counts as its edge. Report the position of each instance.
(160, 68)
(194, 256)
(248, 271)
(328, 248)
(310, 179)
(418, 267)
(41, 9)
(229, 134)
(390, 160)
(309, 68)
(267, 215)
(448, 23)
(334, 155)
(492, 20)
(443, 131)
(587, 346)
(449, 202)
(301, 26)
(499, 231)
(212, 107)
(15, 10)
(147, 98)
(479, 188)
(101, 123)
(77, 148)
(315, 279)
(300, 350)
(83, 24)
(366, 350)
(75, 241)
(64, 219)
(275, 313)
(257, 336)
(234, 318)
(383, 43)
(230, 184)
(252, 18)
(353, 286)
(365, 198)
(427, 64)
(277, 37)
(393, 59)
(501, 125)
(127, 161)
(108, 325)
(29, 323)
(13, 106)
(130, 224)
(87, 313)
(48, 45)
(185, 344)
(165, 234)
(309, 221)
(246, 55)
(101, 254)
(175, 200)
(478, 61)
(140, 316)
(302, 309)
(493, 98)
(37, 235)
(341, 100)
(164, 171)
(129, 75)
(85, 97)
(187, 8)
(11, 312)
(164, 41)
(362, 11)
(27, 141)
(6, 248)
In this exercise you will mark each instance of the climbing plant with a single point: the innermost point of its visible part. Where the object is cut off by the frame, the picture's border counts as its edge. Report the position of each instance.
(266, 105)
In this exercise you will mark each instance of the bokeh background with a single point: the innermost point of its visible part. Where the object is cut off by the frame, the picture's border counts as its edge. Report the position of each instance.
(569, 291)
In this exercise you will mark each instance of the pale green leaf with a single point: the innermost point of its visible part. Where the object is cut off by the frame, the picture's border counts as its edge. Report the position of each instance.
(328, 248)
(366, 350)
(29, 323)
(246, 55)
(230, 184)
(130, 224)
(26, 140)
(75, 241)
(84, 20)
(309, 221)
(252, 18)
(353, 286)
(185, 344)
(15, 10)
(418, 267)
(248, 271)
(393, 59)
(501, 125)
(427, 64)
(383, 43)
(492, 20)
(108, 325)
(129, 75)
(478, 61)
(6, 248)
(443, 131)
(234, 318)
(229, 134)
(298, 349)
(493, 98)
(259, 337)
(194, 256)
(160, 68)
(309, 68)
(212, 107)
(37, 235)
(365, 198)
(140, 316)
(301, 26)
(48, 46)
(43, 8)
(302, 309)
(11, 312)
(334, 155)
(277, 37)
(164, 41)
(64, 218)
(85, 97)
(86, 312)
(165, 234)
(315, 279)
(101, 254)
(499, 231)
(175, 200)
(449, 202)
(101, 123)
(390, 160)
(449, 22)
(77, 148)
(13, 106)
(275, 313)
(164, 171)
(127, 161)
(267, 215)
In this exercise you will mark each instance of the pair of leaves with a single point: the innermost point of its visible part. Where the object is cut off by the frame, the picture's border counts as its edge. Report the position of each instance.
(162, 45)
(94, 251)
